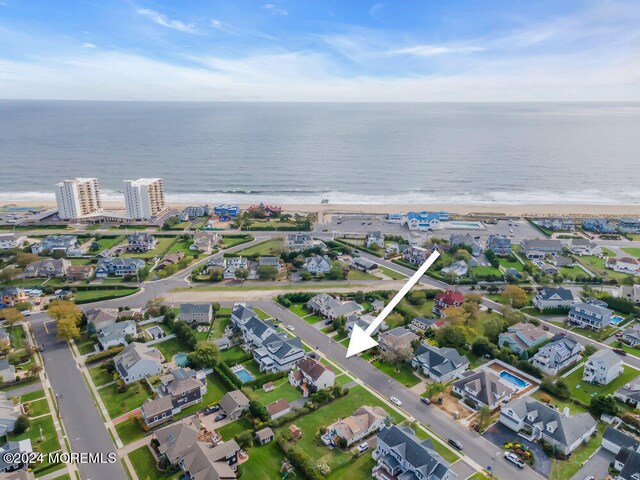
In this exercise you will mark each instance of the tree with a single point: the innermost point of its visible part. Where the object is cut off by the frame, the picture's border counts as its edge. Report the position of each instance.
(217, 275)
(244, 439)
(258, 410)
(590, 350)
(456, 316)
(205, 355)
(267, 272)
(450, 336)
(64, 309)
(23, 259)
(241, 274)
(22, 425)
(482, 346)
(493, 328)
(34, 370)
(323, 467)
(91, 329)
(397, 355)
(484, 416)
(603, 404)
(67, 328)
(517, 296)
(8, 274)
(11, 315)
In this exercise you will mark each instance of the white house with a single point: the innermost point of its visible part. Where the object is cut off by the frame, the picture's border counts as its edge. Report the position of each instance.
(313, 373)
(440, 364)
(591, 313)
(375, 238)
(603, 367)
(555, 356)
(296, 242)
(423, 221)
(483, 387)
(623, 265)
(522, 337)
(362, 423)
(552, 298)
(12, 240)
(137, 361)
(115, 334)
(318, 264)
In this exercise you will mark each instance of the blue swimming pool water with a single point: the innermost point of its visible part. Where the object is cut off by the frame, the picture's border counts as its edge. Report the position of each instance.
(243, 375)
(517, 381)
(616, 319)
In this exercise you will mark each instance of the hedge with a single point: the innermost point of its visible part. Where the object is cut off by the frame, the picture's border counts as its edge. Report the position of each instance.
(112, 352)
(377, 253)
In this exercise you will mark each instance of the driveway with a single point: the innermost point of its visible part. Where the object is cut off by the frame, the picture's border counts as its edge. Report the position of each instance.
(500, 434)
(597, 465)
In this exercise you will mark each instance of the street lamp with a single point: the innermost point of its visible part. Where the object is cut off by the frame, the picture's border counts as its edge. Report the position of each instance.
(493, 464)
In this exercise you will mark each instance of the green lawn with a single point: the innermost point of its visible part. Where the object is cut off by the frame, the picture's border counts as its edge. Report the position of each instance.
(559, 404)
(568, 468)
(100, 376)
(424, 310)
(120, 403)
(219, 326)
(50, 443)
(238, 288)
(634, 251)
(261, 314)
(342, 380)
(145, 465)
(596, 266)
(359, 275)
(129, 430)
(27, 397)
(586, 390)
(229, 242)
(439, 447)
(17, 337)
(391, 273)
(231, 356)
(358, 469)
(95, 295)
(283, 390)
(163, 244)
(298, 309)
(170, 347)
(84, 345)
(39, 407)
(109, 242)
(268, 248)
(264, 463)
(232, 429)
(183, 245)
(404, 376)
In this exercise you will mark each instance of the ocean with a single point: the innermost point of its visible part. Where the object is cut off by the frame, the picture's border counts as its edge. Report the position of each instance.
(301, 153)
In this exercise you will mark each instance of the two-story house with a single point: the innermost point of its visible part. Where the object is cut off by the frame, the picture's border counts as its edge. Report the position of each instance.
(363, 422)
(397, 339)
(332, 308)
(47, 268)
(9, 241)
(374, 238)
(599, 225)
(440, 364)
(444, 300)
(590, 314)
(422, 221)
(537, 248)
(317, 264)
(137, 361)
(483, 387)
(522, 337)
(458, 240)
(141, 242)
(313, 373)
(296, 242)
(67, 244)
(603, 367)
(115, 334)
(583, 246)
(553, 298)
(557, 355)
(499, 244)
(278, 353)
(196, 313)
(118, 266)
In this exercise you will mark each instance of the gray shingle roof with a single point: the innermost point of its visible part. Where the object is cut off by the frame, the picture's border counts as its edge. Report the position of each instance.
(440, 360)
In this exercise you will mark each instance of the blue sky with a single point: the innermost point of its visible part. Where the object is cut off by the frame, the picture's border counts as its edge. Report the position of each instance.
(406, 50)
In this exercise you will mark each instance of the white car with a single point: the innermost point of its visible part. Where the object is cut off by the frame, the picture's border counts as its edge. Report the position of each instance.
(363, 447)
(291, 327)
(513, 458)
(396, 400)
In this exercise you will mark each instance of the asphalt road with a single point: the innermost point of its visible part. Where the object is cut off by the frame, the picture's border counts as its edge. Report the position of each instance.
(83, 424)
(477, 448)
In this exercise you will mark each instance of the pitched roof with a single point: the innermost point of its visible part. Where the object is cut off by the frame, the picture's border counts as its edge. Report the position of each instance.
(232, 400)
(619, 438)
(189, 308)
(176, 439)
(265, 433)
(278, 406)
(489, 387)
(359, 422)
(154, 407)
(450, 297)
(441, 360)
(312, 367)
(606, 357)
(548, 293)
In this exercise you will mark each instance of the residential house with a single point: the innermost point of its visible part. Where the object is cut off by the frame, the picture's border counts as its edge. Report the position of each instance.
(12, 454)
(115, 334)
(296, 242)
(226, 211)
(240, 314)
(48, 267)
(101, 317)
(444, 300)
(537, 248)
(522, 337)
(484, 387)
(590, 314)
(459, 240)
(9, 414)
(363, 422)
(170, 259)
(629, 225)
(422, 324)
(363, 321)
(10, 241)
(629, 393)
(397, 340)
(141, 242)
(599, 225)
(234, 404)
(552, 298)
(267, 210)
(416, 239)
(270, 262)
(631, 336)
(317, 264)
(627, 463)
(279, 408)
(78, 273)
(440, 364)
(234, 264)
(630, 292)
(401, 454)
(422, 221)
(205, 241)
(603, 367)
(137, 361)
(363, 264)
(557, 355)
(583, 246)
(277, 353)
(120, 267)
(7, 371)
(459, 268)
(196, 313)
(219, 263)
(12, 295)
(394, 217)
(415, 254)
(499, 244)
(313, 373)
(374, 238)
(623, 265)
(193, 212)
(614, 440)
(67, 244)
(331, 307)
(559, 429)
(180, 388)
(557, 224)
(265, 435)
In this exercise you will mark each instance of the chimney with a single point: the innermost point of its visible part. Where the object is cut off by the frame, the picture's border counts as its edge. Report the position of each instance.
(565, 411)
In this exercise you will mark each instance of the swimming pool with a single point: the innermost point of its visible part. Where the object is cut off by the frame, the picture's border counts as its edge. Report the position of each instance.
(616, 319)
(512, 379)
(243, 374)
(460, 224)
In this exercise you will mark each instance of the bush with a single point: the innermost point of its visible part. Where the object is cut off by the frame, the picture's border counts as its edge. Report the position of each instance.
(545, 398)
(22, 425)
(112, 352)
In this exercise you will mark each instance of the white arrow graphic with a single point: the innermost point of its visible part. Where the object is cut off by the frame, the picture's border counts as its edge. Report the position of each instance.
(361, 339)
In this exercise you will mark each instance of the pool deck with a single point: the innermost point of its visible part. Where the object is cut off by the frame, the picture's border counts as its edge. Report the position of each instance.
(497, 366)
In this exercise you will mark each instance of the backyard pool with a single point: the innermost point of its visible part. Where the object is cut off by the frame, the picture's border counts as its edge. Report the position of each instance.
(242, 373)
(463, 225)
(616, 319)
(515, 381)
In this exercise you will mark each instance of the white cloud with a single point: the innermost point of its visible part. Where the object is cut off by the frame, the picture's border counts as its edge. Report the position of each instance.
(88, 45)
(163, 20)
(376, 10)
(434, 50)
(275, 10)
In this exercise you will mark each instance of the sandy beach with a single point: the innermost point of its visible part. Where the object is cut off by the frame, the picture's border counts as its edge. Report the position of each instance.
(326, 210)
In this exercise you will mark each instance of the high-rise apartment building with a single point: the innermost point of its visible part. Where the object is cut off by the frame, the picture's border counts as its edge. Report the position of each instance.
(144, 198)
(78, 198)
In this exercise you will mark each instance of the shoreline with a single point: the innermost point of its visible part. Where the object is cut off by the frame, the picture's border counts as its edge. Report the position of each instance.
(461, 209)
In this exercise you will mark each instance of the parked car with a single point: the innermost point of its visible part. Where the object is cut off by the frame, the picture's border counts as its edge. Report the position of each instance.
(455, 443)
(211, 409)
(328, 321)
(513, 458)
(396, 401)
(220, 417)
(425, 400)
(363, 447)
(619, 334)
(620, 351)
